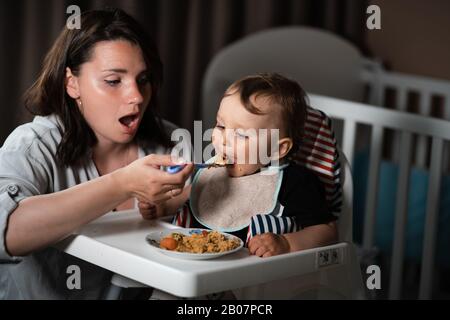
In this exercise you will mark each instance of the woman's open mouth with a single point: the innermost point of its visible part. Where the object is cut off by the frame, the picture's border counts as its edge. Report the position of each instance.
(130, 122)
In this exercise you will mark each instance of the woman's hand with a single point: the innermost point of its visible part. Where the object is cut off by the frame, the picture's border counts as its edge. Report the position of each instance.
(268, 244)
(144, 180)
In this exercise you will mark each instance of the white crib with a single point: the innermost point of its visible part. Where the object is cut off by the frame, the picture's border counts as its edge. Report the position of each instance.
(408, 124)
(380, 80)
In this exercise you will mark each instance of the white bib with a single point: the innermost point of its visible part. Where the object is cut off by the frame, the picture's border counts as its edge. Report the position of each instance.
(225, 203)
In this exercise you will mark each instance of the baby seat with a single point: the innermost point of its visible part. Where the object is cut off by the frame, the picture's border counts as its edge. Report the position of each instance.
(337, 275)
(337, 270)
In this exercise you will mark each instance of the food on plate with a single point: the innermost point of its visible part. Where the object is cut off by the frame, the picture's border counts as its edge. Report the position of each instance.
(168, 243)
(204, 242)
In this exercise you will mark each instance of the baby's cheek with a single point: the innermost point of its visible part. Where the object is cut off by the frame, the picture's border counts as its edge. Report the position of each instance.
(241, 153)
(216, 140)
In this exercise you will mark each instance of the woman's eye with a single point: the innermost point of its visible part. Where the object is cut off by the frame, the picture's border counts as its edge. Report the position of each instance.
(220, 127)
(112, 83)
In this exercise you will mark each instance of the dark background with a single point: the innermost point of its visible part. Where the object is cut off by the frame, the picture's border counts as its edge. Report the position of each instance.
(188, 33)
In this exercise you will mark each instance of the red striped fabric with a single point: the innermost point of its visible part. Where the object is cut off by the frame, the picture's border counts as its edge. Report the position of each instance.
(310, 148)
(318, 152)
(304, 157)
(183, 217)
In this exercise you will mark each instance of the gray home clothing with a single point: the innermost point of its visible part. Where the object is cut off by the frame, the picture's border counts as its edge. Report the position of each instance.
(28, 167)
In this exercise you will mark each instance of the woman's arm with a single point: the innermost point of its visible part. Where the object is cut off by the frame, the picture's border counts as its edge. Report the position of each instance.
(41, 220)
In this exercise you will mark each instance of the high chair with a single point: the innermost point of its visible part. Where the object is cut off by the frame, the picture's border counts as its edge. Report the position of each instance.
(323, 63)
(330, 281)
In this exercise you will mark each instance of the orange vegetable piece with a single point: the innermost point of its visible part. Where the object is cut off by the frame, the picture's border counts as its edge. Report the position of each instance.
(168, 243)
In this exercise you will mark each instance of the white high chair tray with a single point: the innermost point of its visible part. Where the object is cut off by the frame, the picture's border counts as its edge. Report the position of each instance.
(117, 243)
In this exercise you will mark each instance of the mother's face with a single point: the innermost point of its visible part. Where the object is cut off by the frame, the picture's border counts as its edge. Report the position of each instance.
(112, 90)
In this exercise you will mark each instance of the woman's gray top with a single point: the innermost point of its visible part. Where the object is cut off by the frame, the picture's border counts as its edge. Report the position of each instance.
(28, 167)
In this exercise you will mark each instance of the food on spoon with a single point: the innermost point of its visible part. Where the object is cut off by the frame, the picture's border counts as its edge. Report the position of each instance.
(221, 160)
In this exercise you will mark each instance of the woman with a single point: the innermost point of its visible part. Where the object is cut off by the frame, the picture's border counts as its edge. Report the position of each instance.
(91, 148)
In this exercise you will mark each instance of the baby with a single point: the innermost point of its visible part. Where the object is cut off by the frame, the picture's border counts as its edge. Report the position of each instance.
(273, 204)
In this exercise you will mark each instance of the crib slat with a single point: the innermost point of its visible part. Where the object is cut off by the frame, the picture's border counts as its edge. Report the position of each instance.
(447, 107)
(402, 93)
(400, 218)
(349, 140)
(431, 219)
(371, 199)
(446, 157)
(401, 106)
(424, 109)
(376, 95)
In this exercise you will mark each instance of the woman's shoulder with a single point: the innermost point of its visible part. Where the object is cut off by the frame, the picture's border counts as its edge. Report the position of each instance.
(29, 153)
(39, 134)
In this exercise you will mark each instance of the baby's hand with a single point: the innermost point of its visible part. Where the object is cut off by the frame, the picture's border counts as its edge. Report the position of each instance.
(268, 244)
(150, 211)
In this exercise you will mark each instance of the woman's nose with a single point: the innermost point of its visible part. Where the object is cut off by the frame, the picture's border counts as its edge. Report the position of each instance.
(134, 94)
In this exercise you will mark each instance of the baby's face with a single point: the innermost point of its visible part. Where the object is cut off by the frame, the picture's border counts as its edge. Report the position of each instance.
(244, 138)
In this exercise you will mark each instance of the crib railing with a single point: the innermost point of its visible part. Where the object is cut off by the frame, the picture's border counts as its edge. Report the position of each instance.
(408, 124)
(403, 85)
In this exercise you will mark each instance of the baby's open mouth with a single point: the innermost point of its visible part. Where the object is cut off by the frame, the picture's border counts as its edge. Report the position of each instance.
(223, 159)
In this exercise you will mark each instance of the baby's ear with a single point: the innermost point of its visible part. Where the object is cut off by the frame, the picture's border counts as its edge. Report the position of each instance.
(284, 146)
(71, 82)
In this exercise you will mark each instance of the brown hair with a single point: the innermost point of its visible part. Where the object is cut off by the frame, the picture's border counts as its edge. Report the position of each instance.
(73, 48)
(285, 93)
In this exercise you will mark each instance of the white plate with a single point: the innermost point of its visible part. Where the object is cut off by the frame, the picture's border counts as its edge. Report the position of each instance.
(155, 237)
